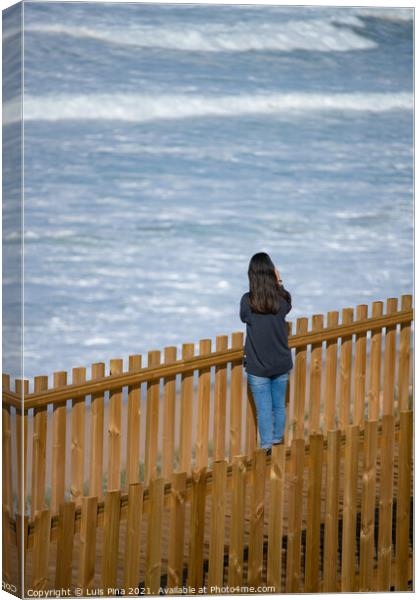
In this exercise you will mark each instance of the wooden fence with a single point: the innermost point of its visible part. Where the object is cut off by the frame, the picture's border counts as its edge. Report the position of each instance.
(175, 443)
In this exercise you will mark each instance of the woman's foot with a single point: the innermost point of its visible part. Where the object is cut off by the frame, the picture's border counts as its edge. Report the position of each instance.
(268, 451)
(278, 443)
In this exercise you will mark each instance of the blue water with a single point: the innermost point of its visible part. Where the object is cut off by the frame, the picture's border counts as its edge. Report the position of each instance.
(165, 144)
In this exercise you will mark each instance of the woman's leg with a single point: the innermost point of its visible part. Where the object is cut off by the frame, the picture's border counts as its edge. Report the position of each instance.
(278, 397)
(261, 392)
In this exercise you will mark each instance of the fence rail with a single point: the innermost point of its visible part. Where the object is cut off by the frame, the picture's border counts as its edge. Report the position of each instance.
(170, 436)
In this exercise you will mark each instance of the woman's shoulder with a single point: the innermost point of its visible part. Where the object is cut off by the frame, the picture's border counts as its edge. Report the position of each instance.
(245, 297)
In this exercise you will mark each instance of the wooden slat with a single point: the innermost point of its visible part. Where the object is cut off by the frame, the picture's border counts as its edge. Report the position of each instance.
(41, 549)
(331, 510)
(375, 366)
(404, 494)
(39, 451)
(203, 415)
(345, 371)
(349, 509)
(154, 535)
(77, 439)
(295, 509)
(87, 548)
(187, 392)
(330, 411)
(22, 388)
(182, 366)
(6, 546)
(275, 516)
(236, 545)
(65, 538)
(7, 451)
(360, 369)
(115, 430)
(251, 425)
(198, 503)
(96, 464)
(112, 511)
(177, 529)
(152, 420)
(367, 532)
(217, 536)
(316, 447)
(133, 425)
(390, 359)
(385, 504)
(315, 378)
(133, 538)
(288, 395)
(236, 398)
(169, 397)
(300, 369)
(220, 386)
(404, 358)
(256, 522)
(22, 533)
(59, 447)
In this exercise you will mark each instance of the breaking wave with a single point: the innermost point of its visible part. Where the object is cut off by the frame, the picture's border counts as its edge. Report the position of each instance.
(142, 108)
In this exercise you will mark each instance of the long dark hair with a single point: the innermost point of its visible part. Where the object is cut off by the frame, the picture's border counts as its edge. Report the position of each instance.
(264, 289)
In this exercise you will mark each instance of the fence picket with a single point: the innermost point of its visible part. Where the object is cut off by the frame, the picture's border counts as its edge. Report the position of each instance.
(236, 392)
(390, 360)
(330, 410)
(404, 494)
(65, 539)
(316, 448)
(77, 439)
(176, 532)
(187, 392)
(198, 503)
(218, 507)
(112, 510)
(349, 509)
(404, 358)
(219, 430)
(315, 378)
(345, 371)
(87, 551)
(114, 430)
(22, 389)
(300, 369)
(133, 424)
(360, 369)
(256, 523)
(39, 450)
(97, 436)
(294, 524)
(367, 532)
(40, 550)
(152, 420)
(203, 414)
(58, 447)
(236, 545)
(275, 516)
(385, 504)
(133, 536)
(375, 365)
(154, 535)
(169, 398)
(331, 510)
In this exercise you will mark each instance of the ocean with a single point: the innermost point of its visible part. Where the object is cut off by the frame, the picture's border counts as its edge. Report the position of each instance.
(165, 144)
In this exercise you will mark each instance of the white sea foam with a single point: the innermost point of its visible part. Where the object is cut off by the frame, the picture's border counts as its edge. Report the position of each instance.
(142, 108)
(311, 35)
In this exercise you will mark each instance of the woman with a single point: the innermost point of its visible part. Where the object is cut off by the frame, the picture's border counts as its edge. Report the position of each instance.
(268, 358)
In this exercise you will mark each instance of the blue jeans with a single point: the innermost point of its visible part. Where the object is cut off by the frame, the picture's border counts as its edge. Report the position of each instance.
(269, 396)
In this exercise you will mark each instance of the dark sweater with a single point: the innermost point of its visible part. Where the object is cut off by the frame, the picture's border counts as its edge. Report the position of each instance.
(267, 351)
